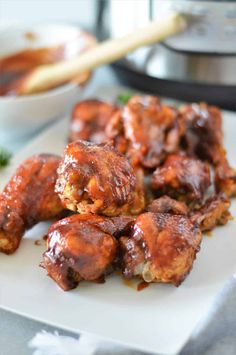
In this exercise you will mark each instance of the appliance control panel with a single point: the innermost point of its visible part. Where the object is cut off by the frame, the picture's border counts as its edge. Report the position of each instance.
(212, 25)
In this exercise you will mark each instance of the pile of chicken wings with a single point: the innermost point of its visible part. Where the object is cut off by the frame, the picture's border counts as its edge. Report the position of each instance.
(137, 185)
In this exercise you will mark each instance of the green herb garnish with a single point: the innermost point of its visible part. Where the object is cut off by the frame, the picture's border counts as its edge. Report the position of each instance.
(5, 157)
(124, 97)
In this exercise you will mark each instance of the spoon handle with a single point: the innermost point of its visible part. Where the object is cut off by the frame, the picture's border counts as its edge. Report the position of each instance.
(48, 76)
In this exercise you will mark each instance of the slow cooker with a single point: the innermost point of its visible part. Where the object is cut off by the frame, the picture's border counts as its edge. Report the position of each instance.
(198, 64)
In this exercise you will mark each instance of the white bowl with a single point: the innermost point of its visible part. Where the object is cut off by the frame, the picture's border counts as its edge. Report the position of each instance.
(22, 115)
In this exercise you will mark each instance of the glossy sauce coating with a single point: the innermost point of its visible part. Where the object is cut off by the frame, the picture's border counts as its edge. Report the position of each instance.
(95, 178)
(89, 120)
(161, 248)
(115, 132)
(181, 176)
(225, 178)
(28, 198)
(83, 247)
(204, 138)
(152, 130)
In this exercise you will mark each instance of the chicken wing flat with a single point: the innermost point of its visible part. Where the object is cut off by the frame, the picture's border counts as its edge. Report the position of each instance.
(165, 204)
(182, 177)
(28, 198)
(82, 247)
(96, 179)
(215, 211)
(162, 248)
(152, 130)
(89, 119)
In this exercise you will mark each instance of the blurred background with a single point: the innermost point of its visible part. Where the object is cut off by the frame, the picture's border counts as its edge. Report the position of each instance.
(75, 11)
(198, 64)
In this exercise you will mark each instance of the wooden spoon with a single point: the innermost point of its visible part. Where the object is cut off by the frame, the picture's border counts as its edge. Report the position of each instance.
(46, 77)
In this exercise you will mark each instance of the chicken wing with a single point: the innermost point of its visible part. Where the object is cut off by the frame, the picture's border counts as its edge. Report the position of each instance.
(83, 247)
(96, 179)
(165, 204)
(225, 178)
(162, 248)
(182, 177)
(115, 132)
(89, 120)
(152, 130)
(204, 138)
(215, 211)
(28, 198)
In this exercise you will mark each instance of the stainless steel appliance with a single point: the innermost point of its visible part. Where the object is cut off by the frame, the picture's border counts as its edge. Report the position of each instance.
(198, 64)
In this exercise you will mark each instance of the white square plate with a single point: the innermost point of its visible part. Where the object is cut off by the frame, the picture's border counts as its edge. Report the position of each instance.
(159, 319)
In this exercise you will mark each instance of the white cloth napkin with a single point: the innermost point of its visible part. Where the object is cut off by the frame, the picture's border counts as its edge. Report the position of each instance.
(47, 343)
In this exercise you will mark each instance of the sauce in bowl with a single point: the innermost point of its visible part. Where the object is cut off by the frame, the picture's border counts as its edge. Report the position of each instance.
(15, 67)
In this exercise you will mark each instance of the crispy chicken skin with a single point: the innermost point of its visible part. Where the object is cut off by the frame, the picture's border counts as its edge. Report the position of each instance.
(161, 248)
(89, 119)
(182, 177)
(215, 211)
(28, 198)
(152, 130)
(165, 204)
(96, 179)
(82, 247)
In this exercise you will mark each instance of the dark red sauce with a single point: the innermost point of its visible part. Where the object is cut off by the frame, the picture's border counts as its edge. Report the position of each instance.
(15, 67)
(142, 285)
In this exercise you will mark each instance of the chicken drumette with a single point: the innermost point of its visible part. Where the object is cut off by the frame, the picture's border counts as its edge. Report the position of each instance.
(182, 177)
(151, 129)
(89, 120)
(97, 179)
(203, 135)
(165, 204)
(204, 138)
(161, 248)
(215, 211)
(225, 178)
(28, 198)
(83, 247)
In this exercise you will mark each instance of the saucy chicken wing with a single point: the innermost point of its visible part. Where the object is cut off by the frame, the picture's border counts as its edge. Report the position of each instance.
(28, 198)
(152, 130)
(182, 177)
(82, 247)
(162, 248)
(203, 135)
(96, 179)
(204, 138)
(89, 120)
(225, 178)
(115, 132)
(215, 211)
(165, 204)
